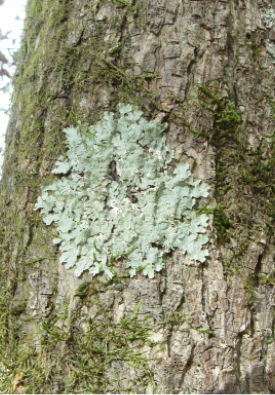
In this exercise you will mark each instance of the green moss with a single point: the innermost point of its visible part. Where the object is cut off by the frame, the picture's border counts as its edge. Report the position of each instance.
(4, 313)
(102, 357)
(253, 46)
(225, 135)
(83, 289)
(221, 221)
(241, 173)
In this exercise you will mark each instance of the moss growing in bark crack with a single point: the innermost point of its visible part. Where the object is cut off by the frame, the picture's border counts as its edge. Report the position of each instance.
(105, 356)
(241, 172)
(225, 132)
(119, 201)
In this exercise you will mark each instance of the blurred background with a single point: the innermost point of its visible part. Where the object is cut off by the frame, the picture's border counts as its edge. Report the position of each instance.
(12, 13)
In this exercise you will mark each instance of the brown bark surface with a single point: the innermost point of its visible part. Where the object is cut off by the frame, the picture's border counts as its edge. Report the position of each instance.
(211, 324)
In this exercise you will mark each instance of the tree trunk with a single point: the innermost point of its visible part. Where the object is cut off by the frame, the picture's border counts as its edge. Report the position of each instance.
(206, 68)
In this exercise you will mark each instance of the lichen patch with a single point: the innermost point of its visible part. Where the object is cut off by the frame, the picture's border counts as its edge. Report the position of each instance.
(117, 201)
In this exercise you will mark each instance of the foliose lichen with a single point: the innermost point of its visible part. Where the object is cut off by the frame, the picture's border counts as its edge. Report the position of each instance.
(269, 18)
(119, 202)
(270, 47)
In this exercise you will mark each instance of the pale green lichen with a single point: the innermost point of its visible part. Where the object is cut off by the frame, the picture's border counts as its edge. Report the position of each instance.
(270, 47)
(269, 18)
(119, 201)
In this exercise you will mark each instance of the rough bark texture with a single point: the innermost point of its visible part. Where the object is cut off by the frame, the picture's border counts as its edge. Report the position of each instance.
(210, 327)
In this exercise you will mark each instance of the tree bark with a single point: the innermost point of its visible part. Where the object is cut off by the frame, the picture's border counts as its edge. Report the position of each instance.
(205, 328)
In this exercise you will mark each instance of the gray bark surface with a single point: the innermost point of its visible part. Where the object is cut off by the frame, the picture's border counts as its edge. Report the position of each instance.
(212, 324)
